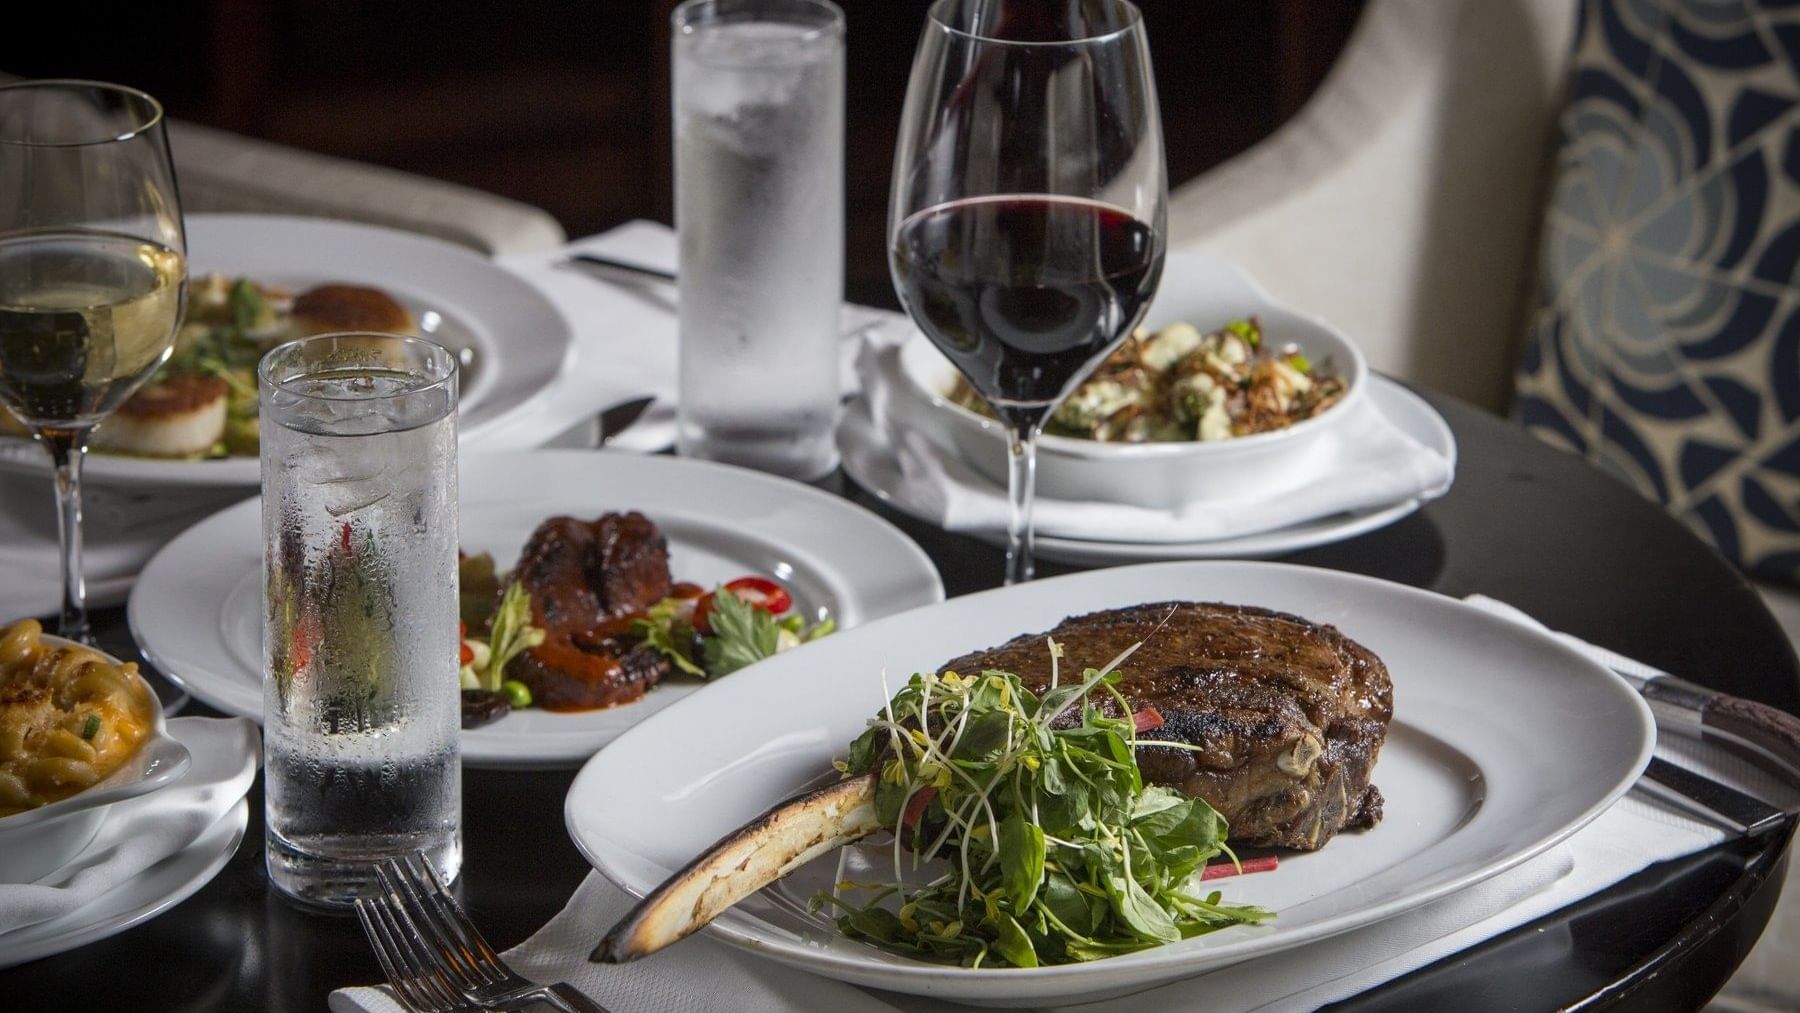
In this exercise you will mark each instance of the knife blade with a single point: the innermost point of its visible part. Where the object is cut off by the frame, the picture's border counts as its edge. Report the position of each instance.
(1744, 813)
(619, 417)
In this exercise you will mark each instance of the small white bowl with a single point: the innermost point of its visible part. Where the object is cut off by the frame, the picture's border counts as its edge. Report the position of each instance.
(39, 841)
(1198, 289)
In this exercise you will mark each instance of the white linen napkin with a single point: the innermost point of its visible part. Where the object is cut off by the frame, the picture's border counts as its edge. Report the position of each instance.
(142, 831)
(1635, 833)
(1363, 462)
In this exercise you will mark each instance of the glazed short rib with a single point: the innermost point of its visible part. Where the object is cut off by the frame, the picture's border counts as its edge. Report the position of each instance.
(1288, 715)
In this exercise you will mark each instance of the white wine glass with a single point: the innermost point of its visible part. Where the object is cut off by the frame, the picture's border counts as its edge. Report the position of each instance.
(93, 274)
(1028, 214)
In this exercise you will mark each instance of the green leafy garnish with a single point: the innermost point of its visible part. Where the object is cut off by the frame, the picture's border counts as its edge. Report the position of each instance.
(512, 635)
(1055, 849)
(742, 635)
(1300, 363)
(664, 628)
(478, 584)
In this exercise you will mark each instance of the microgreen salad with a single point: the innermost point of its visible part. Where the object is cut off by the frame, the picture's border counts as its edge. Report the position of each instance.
(1056, 849)
(721, 631)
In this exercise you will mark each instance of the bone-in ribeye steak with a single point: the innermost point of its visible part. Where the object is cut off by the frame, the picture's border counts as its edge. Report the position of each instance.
(1289, 715)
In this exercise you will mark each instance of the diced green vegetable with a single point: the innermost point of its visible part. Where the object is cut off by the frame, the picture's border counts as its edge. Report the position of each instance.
(1247, 330)
(1300, 363)
(90, 727)
(517, 693)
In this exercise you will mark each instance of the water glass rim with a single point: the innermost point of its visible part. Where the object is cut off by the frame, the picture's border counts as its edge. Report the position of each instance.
(1134, 20)
(149, 117)
(693, 14)
(438, 355)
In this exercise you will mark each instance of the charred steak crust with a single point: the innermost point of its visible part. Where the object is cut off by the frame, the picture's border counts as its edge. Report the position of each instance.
(1289, 715)
(583, 577)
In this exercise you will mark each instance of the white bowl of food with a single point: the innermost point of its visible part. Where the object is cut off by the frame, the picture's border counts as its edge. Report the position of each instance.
(1162, 426)
(79, 731)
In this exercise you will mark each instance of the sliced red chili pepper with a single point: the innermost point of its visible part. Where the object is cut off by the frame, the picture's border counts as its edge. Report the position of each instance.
(915, 806)
(467, 655)
(1147, 719)
(761, 592)
(1219, 870)
(344, 535)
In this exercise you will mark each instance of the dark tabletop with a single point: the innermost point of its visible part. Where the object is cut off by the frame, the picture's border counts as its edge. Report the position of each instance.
(1524, 523)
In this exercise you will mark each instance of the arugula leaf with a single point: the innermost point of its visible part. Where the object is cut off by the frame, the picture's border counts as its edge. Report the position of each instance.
(1021, 860)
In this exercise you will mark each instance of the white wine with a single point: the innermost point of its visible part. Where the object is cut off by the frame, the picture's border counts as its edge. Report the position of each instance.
(84, 317)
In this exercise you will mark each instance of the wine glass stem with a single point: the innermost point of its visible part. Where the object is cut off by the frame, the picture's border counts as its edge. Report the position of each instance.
(67, 448)
(1021, 488)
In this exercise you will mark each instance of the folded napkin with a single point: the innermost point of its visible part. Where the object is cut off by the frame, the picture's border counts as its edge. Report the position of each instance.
(142, 831)
(1363, 462)
(1637, 832)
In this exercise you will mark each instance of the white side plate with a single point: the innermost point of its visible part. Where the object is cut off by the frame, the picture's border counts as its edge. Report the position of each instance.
(1503, 743)
(197, 611)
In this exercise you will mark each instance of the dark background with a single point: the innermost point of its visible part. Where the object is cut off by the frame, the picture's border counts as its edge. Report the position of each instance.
(563, 104)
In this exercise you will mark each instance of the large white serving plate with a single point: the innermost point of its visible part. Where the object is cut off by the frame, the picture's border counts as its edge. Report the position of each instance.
(512, 340)
(197, 608)
(1503, 743)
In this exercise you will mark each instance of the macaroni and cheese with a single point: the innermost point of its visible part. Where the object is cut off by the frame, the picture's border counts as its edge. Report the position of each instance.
(68, 717)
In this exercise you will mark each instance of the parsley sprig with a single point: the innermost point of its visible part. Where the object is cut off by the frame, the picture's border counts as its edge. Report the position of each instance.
(1056, 849)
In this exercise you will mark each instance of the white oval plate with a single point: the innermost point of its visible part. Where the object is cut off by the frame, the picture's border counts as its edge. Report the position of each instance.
(870, 460)
(197, 609)
(1503, 743)
(517, 339)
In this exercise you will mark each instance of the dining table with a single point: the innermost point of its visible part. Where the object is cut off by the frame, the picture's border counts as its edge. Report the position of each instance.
(1524, 523)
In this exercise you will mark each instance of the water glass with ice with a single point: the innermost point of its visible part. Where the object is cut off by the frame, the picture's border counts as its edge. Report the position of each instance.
(759, 207)
(360, 693)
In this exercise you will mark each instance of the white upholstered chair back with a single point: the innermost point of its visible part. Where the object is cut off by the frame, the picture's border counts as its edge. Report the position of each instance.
(1403, 202)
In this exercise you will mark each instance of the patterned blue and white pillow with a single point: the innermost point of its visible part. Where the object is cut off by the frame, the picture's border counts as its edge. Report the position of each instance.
(1666, 347)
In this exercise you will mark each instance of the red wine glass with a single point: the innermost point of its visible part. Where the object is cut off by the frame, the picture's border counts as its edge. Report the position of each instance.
(1028, 215)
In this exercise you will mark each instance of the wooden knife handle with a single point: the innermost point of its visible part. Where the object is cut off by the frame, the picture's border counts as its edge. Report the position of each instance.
(1758, 732)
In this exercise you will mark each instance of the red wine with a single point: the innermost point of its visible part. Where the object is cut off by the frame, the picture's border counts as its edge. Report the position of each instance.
(1025, 294)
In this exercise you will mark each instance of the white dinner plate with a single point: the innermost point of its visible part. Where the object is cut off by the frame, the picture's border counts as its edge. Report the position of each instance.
(197, 609)
(1503, 743)
(869, 459)
(218, 750)
(516, 341)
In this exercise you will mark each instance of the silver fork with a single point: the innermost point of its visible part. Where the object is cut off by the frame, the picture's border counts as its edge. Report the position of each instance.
(466, 960)
(409, 968)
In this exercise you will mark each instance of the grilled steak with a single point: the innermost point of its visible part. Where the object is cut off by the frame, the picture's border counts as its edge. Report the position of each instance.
(1288, 715)
(586, 579)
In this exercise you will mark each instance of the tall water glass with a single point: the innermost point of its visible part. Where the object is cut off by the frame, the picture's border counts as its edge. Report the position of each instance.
(759, 205)
(360, 693)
